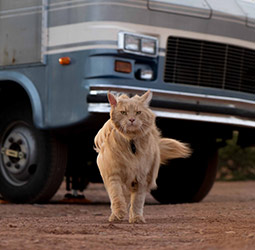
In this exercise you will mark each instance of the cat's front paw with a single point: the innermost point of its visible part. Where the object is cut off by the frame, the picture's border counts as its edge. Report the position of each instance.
(137, 219)
(117, 217)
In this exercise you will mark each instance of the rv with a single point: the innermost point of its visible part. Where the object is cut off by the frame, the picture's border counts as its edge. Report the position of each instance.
(58, 59)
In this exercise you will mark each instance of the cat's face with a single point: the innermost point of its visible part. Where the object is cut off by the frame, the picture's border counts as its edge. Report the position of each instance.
(131, 116)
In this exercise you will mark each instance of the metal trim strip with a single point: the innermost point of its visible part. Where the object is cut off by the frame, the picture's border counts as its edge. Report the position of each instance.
(94, 89)
(231, 115)
(172, 114)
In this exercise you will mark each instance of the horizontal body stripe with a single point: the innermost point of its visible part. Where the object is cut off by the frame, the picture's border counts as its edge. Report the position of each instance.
(175, 9)
(84, 44)
(204, 11)
(79, 48)
(20, 12)
(137, 12)
(74, 4)
(91, 35)
(233, 26)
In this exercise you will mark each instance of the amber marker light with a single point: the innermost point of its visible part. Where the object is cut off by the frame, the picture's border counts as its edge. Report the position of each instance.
(64, 60)
(123, 67)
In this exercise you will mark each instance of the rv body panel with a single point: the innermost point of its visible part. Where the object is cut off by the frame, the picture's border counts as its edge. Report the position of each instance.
(35, 34)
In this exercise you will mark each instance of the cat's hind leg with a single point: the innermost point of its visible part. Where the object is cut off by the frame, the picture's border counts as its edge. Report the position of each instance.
(117, 198)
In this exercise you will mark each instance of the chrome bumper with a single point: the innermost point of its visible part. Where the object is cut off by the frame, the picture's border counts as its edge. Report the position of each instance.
(180, 105)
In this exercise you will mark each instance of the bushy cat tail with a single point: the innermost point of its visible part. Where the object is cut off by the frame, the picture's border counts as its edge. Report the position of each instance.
(171, 149)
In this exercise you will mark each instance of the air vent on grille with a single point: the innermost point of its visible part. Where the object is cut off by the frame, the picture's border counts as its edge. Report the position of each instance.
(210, 64)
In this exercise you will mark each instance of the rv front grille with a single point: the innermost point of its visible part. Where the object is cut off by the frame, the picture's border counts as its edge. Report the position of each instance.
(210, 64)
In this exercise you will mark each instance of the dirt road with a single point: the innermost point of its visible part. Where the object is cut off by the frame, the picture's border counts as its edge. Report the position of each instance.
(224, 220)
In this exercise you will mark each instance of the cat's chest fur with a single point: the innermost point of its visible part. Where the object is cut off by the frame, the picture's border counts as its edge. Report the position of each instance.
(132, 156)
(120, 159)
(134, 148)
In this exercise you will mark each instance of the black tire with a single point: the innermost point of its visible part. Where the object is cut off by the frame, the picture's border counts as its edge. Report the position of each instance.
(32, 162)
(187, 180)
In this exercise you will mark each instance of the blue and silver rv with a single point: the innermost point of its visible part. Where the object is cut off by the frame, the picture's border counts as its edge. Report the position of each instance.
(58, 59)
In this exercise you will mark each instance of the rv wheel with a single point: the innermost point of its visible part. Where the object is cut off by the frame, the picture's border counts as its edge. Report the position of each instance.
(32, 162)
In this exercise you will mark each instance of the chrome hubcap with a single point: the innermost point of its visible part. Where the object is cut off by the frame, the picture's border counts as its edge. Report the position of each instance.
(18, 151)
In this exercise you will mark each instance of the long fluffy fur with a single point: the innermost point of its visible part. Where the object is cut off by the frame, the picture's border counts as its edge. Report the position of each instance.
(128, 175)
(171, 149)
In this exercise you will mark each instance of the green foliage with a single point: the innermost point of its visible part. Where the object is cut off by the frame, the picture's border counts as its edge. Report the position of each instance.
(236, 163)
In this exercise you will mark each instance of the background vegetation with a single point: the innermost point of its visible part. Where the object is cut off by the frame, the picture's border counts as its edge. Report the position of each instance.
(236, 163)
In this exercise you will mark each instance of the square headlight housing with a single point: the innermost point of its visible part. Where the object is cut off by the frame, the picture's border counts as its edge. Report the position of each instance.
(138, 44)
(148, 46)
(131, 43)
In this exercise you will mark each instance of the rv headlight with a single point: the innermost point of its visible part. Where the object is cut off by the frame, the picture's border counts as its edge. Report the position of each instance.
(148, 46)
(138, 44)
(131, 42)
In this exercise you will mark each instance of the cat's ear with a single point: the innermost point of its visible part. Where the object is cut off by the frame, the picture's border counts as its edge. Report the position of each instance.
(112, 99)
(146, 98)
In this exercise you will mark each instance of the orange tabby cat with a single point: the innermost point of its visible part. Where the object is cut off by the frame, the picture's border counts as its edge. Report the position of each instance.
(130, 151)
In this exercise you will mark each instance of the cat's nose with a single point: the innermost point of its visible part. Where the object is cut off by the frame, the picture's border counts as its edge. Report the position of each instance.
(131, 120)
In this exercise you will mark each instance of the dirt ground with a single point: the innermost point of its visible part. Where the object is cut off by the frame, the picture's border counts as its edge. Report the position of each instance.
(224, 220)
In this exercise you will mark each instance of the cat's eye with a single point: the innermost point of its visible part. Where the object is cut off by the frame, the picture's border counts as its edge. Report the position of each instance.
(123, 112)
(138, 112)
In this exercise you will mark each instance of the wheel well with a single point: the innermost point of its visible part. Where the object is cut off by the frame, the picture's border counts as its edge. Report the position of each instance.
(11, 93)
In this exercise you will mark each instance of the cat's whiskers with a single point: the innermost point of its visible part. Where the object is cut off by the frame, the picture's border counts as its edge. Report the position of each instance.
(144, 129)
